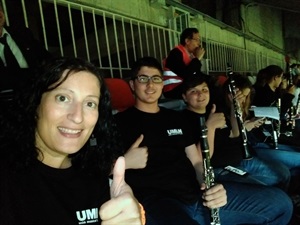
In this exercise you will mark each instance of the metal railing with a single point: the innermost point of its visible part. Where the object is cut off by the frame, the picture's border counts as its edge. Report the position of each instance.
(242, 61)
(113, 41)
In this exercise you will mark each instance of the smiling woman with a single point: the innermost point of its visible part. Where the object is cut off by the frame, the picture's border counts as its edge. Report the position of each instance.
(48, 167)
(66, 117)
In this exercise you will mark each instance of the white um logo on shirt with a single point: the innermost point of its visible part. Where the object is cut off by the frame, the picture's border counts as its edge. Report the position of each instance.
(173, 132)
(87, 216)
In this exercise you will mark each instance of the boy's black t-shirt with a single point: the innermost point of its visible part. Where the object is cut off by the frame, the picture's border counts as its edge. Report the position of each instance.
(168, 172)
(227, 151)
(46, 195)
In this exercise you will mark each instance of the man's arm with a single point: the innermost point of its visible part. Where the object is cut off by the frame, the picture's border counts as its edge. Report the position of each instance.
(194, 155)
(215, 196)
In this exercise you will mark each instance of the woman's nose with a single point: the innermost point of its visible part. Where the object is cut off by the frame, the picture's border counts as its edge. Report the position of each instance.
(76, 113)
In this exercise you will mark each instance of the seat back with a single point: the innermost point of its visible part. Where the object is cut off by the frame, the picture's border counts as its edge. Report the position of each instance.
(121, 94)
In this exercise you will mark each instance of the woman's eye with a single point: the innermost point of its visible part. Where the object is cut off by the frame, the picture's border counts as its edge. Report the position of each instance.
(61, 98)
(92, 105)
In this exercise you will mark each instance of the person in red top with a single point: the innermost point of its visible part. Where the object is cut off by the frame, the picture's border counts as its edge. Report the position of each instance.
(181, 62)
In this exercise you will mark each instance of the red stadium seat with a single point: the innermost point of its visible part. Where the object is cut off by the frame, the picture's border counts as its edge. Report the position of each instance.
(221, 79)
(121, 94)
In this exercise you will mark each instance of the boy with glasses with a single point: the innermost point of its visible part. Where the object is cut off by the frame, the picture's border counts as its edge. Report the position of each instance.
(170, 186)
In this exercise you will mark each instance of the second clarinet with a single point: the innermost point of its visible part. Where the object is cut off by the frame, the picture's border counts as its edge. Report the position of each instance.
(238, 113)
(209, 177)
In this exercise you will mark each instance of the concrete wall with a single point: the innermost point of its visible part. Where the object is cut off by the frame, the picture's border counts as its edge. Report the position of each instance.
(258, 21)
(140, 9)
(265, 23)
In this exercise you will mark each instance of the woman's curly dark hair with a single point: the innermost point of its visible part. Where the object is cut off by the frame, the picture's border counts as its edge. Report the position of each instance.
(18, 135)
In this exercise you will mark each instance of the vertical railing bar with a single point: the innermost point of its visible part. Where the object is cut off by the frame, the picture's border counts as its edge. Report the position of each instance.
(231, 57)
(5, 12)
(208, 52)
(125, 43)
(245, 56)
(97, 38)
(153, 42)
(147, 39)
(165, 44)
(173, 43)
(209, 66)
(219, 56)
(133, 43)
(228, 58)
(85, 35)
(241, 57)
(107, 45)
(58, 28)
(43, 25)
(159, 44)
(218, 64)
(72, 30)
(237, 59)
(117, 45)
(212, 63)
(140, 39)
(180, 20)
(25, 13)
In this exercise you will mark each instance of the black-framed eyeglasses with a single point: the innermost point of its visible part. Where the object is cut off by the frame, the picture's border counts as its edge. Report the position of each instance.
(144, 79)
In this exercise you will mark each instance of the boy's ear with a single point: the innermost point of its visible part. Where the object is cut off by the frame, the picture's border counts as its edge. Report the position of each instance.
(131, 84)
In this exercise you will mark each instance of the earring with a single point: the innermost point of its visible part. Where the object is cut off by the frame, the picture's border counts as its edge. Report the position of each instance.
(93, 140)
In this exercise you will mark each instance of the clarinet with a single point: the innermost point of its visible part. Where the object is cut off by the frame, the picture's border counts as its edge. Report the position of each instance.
(290, 78)
(276, 131)
(297, 105)
(291, 121)
(238, 113)
(209, 177)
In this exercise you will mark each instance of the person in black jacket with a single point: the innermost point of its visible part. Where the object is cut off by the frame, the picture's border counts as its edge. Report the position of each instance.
(27, 50)
(182, 61)
(20, 55)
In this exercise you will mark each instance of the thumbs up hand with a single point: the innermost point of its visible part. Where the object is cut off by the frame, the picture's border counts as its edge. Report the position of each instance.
(122, 208)
(215, 120)
(136, 157)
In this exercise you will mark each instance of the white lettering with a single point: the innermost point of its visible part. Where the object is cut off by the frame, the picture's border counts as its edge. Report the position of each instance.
(174, 132)
(81, 217)
(92, 213)
(87, 216)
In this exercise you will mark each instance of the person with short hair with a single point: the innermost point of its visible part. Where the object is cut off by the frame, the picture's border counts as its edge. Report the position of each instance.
(182, 61)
